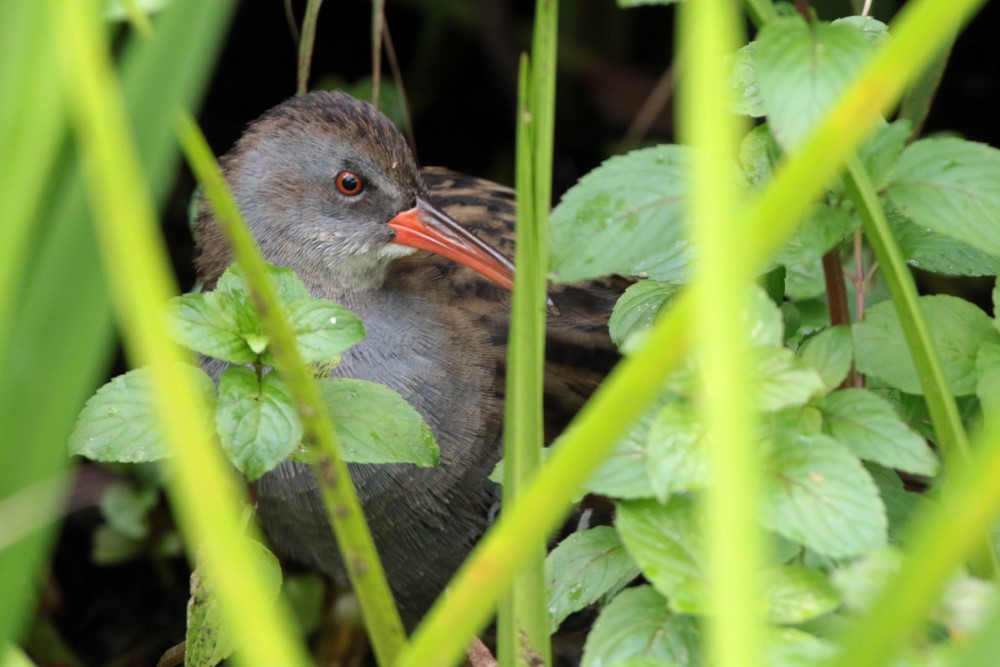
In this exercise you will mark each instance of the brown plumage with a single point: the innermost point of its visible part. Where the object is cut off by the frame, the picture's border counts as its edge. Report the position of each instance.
(436, 331)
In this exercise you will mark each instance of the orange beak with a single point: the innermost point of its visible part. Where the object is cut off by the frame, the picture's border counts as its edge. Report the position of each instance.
(427, 228)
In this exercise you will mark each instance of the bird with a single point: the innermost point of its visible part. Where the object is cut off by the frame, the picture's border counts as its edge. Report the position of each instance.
(329, 188)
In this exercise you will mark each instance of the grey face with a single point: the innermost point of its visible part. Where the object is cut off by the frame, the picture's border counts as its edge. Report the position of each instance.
(317, 178)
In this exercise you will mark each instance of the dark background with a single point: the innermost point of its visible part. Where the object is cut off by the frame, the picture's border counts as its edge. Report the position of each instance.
(458, 59)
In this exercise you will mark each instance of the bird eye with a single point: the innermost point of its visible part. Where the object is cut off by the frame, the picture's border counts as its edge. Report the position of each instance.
(349, 183)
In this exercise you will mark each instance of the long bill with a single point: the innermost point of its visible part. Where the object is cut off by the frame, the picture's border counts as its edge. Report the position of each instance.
(427, 228)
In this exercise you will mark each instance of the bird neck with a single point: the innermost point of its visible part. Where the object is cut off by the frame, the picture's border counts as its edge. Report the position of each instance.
(344, 276)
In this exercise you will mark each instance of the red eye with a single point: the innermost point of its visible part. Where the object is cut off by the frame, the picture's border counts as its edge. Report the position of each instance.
(349, 183)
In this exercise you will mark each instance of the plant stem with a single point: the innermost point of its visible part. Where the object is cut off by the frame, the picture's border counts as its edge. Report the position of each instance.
(836, 289)
(200, 485)
(760, 11)
(378, 21)
(734, 629)
(524, 618)
(951, 437)
(306, 42)
(944, 413)
(343, 507)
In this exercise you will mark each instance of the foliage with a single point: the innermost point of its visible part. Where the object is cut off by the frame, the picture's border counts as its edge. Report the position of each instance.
(853, 422)
(817, 436)
(254, 416)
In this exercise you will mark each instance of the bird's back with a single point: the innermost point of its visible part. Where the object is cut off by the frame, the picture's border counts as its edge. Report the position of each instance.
(579, 352)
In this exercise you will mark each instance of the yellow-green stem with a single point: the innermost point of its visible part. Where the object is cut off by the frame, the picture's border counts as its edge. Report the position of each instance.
(353, 537)
(200, 484)
(707, 32)
(951, 436)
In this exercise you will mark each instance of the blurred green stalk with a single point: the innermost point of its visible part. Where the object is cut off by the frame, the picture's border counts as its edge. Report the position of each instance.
(385, 630)
(707, 32)
(523, 623)
(200, 484)
(55, 318)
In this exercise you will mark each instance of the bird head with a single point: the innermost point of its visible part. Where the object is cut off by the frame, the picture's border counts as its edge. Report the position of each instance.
(329, 188)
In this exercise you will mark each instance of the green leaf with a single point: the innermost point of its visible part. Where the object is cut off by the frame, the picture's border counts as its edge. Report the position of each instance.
(801, 68)
(957, 327)
(623, 473)
(125, 508)
(759, 152)
(637, 624)
(217, 325)
(795, 594)
(288, 285)
(376, 425)
(675, 457)
(208, 642)
(830, 352)
(988, 378)
(821, 496)
(744, 92)
(790, 647)
(119, 422)
(873, 30)
(773, 283)
(110, 547)
(900, 504)
(223, 323)
(762, 318)
(322, 329)
(664, 539)
(256, 420)
(641, 302)
(805, 280)
(583, 568)
(636, 308)
(869, 426)
(928, 250)
(880, 153)
(782, 379)
(822, 229)
(306, 593)
(625, 217)
(949, 185)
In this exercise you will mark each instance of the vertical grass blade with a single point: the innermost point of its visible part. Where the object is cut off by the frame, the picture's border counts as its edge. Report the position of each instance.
(707, 32)
(951, 436)
(307, 41)
(524, 620)
(60, 322)
(32, 126)
(200, 485)
(378, 27)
